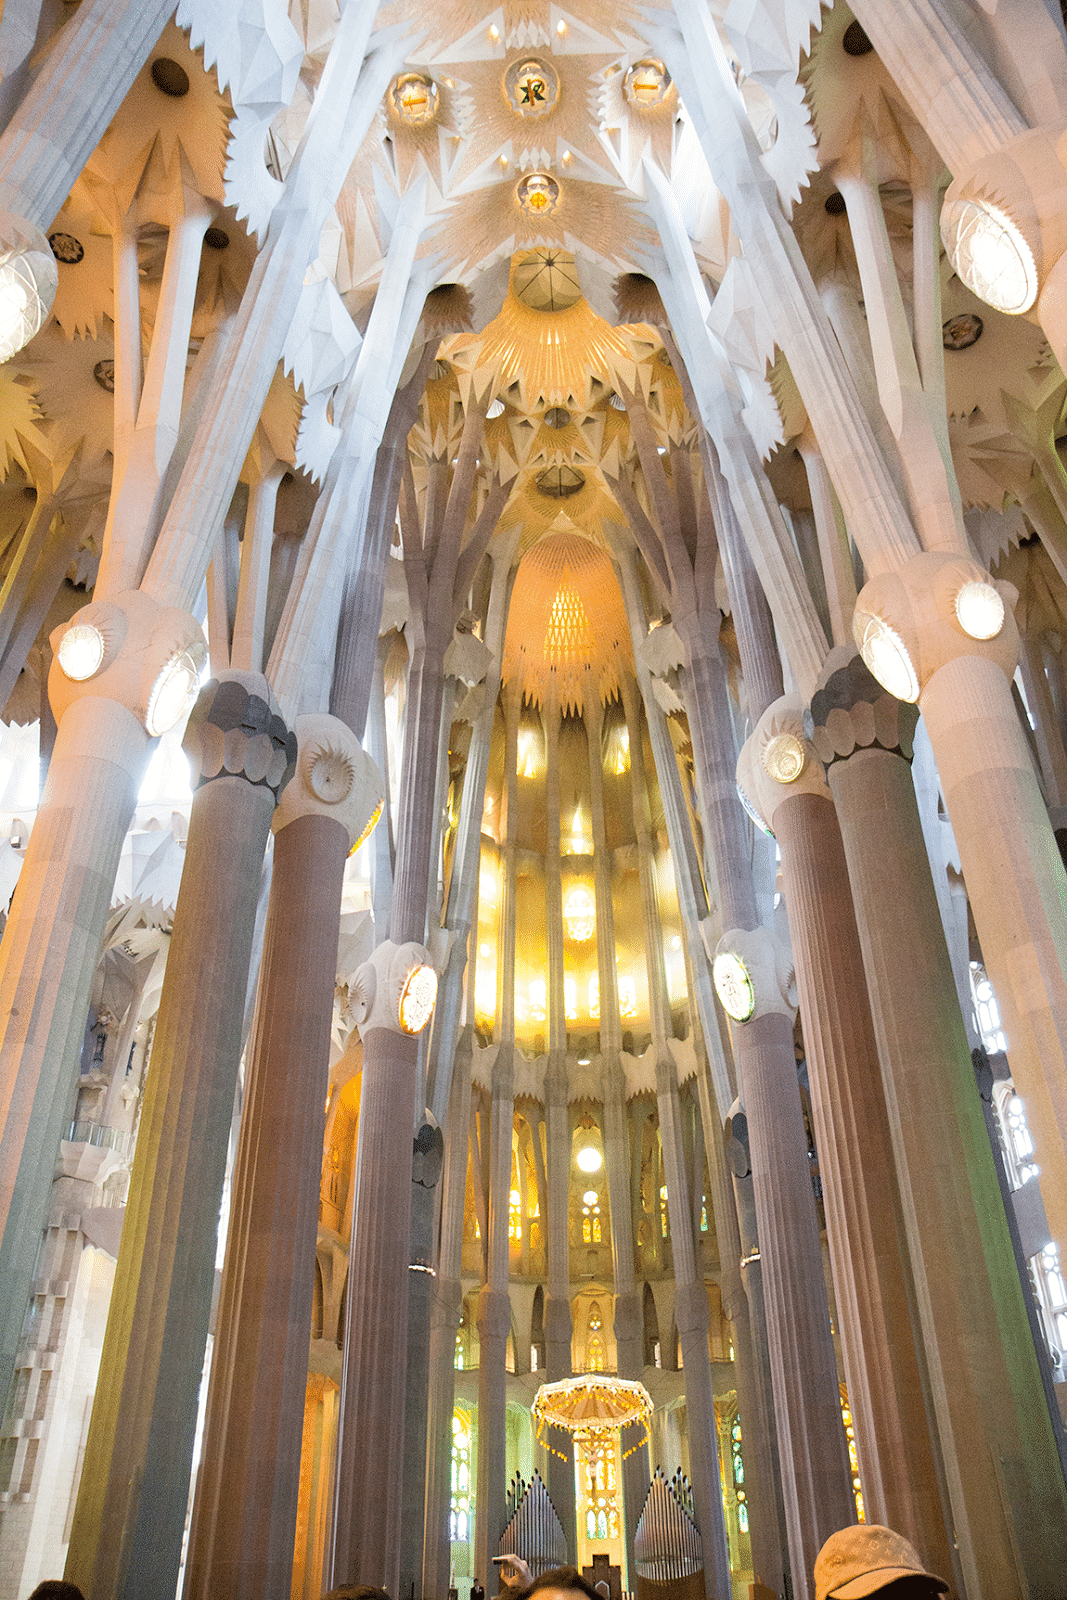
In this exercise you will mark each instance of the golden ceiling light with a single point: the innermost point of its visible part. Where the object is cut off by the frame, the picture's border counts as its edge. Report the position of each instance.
(414, 98)
(574, 636)
(647, 84)
(531, 87)
(538, 194)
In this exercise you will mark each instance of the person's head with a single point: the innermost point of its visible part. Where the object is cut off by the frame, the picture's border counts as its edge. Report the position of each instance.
(355, 1591)
(561, 1583)
(871, 1560)
(57, 1589)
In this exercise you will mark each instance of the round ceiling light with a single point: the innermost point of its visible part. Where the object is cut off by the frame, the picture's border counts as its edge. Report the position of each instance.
(81, 651)
(496, 409)
(28, 281)
(414, 97)
(417, 998)
(538, 194)
(885, 656)
(783, 758)
(990, 254)
(589, 1159)
(532, 88)
(173, 693)
(980, 610)
(647, 83)
(733, 985)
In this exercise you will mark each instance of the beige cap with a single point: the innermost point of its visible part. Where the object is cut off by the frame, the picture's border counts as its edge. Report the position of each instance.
(856, 1562)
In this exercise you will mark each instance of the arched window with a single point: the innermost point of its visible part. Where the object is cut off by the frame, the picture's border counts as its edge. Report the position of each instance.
(853, 1456)
(738, 1465)
(459, 1515)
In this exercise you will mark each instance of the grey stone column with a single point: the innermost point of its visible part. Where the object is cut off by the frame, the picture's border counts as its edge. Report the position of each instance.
(127, 1533)
(1004, 1484)
(494, 1325)
(244, 1517)
(874, 1294)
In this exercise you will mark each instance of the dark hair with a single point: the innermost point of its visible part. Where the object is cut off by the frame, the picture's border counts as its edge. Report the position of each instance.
(568, 1578)
(57, 1589)
(353, 1591)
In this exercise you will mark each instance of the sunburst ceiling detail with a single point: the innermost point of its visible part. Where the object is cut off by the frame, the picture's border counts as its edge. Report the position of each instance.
(569, 637)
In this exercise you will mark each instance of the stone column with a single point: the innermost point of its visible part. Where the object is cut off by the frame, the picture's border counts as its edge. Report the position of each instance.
(445, 1320)
(244, 1517)
(127, 1533)
(1011, 864)
(367, 1503)
(146, 659)
(494, 1325)
(1002, 1473)
(559, 1326)
(874, 1294)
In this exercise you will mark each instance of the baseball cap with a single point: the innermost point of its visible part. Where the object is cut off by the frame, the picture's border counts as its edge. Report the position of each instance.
(858, 1561)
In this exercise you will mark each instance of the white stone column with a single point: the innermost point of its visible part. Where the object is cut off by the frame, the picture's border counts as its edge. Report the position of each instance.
(144, 653)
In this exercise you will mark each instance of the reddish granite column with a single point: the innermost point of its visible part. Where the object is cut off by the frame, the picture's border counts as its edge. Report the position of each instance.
(872, 1283)
(127, 1533)
(1005, 1488)
(244, 1517)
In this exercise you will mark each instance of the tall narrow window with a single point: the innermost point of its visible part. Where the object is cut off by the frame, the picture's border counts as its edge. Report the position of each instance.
(459, 1516)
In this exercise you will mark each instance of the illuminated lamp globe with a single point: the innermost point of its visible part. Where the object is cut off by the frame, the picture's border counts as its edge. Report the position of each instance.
(28, 283)
(980, 610)
(783, 758)
(990, 254)
(733, 985)
(417, 998)
(589, 1159)
(885, 655)
(81, 651)
(590, 1197)
(173, 693)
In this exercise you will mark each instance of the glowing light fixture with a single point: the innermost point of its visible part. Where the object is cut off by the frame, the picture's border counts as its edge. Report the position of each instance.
(990, 254)
(495, 408)
(172, 693)
(783, 758)
(885, 655)
(589, 1159)
(415, 97)
(980, 610)
(733, 985)
(590, 1197)
(417, 998)
(81, 651)
(28, 281)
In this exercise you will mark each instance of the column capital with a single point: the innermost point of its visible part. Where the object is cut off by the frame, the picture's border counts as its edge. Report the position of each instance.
(753, 974)
(778, 759)
(851, 711)
(130, 649)
(933, 609)
(236, 730)
(493, 1316)
(334, 777)
(395, 990)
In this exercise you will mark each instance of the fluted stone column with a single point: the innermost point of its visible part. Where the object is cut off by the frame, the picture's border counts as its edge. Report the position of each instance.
(816, 1483)
(494, 1324)
(985, 1389)
(884, 1370)
(1015, 877)
(446, 1317)
(127, 1533)
(55, 930)
(244, 1518)
(559, 1327)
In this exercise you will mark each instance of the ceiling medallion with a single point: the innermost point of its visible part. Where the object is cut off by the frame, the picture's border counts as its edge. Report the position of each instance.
(961, 331)
(647, 83)
(559, 483)
(414, 97)
(66, 248)
(538, 194)
(532, 88)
